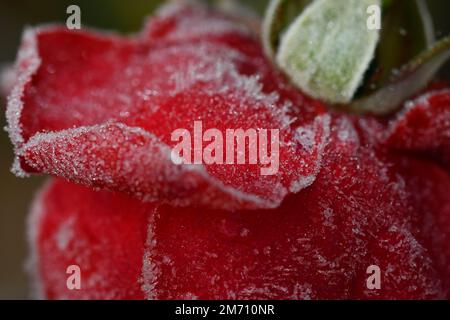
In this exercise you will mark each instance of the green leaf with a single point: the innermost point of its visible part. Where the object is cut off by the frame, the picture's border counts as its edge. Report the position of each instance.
(328, 48)
(410, 79)
(407, 31)
(279, 14)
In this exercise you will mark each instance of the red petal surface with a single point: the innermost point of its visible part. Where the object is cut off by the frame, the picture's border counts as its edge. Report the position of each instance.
(424, 127)
(99, 110)
(73, 82)
(318, 244)
(101, 232)
(429, 188)
(178, 23)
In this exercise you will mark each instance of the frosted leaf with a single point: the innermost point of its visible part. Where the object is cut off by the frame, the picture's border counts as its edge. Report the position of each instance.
(413, 77)
(278, 15)
(328, 48)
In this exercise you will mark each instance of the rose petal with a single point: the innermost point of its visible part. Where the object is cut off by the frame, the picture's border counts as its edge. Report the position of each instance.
(185, 23)
(118, 157)
(424, 126)
(429, 187)
(369, 199)
(100, 232)
(317, 245)
(71, 82)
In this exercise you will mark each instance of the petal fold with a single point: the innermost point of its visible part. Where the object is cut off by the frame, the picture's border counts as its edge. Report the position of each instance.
(78, 93)
(424, 127)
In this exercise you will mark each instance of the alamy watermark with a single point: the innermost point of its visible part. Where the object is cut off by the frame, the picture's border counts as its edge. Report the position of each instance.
(231, 146)
(73, 21)
(373, 282)
(73, 281)
(374, 19)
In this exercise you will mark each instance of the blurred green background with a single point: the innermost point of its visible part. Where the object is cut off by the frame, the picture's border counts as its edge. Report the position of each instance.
(16, 194)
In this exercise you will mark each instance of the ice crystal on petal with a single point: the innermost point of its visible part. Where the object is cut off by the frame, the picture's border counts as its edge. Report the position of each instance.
(424, 126)
(347, 195)
(78, 91)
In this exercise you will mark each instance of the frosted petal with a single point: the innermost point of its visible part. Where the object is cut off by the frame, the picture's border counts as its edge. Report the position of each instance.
(77, 85)
(423, 126)
(131, 160)
(103, 234)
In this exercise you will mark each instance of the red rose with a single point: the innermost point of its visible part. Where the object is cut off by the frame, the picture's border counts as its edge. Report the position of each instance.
(98, 110)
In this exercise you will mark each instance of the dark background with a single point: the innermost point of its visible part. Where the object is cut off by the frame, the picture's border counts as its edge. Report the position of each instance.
(16, 194)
